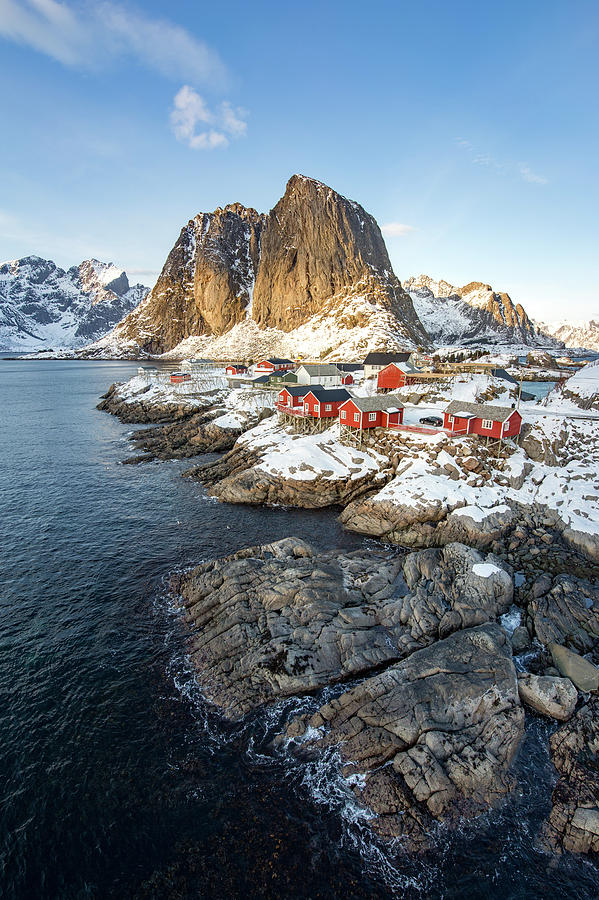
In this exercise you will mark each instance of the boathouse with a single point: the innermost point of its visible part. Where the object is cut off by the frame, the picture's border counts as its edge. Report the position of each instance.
(482, 419)
(396, 375)
(321, 403)
(371, 412)
(273, 364)
(180, 377)
(236, 369)
(377, 360)
(292, 398)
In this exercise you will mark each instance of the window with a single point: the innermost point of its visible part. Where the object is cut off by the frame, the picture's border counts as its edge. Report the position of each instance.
(327, 407)
(372, 417)
(356, 417)
(450, 420)
(306, 407)
(343, 414)
(317, 407)
(487, 424)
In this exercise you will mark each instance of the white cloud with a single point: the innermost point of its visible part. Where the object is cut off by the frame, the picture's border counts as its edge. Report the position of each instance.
(490, 162)
(528, 175)
(396, 229)
(90, 36)
(201, 128)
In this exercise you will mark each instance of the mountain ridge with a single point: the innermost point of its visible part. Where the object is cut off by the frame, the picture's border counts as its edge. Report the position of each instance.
(43, 306)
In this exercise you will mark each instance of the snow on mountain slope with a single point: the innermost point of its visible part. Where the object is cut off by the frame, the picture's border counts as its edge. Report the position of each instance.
(574, 334)
(43, 307)
(472, 315)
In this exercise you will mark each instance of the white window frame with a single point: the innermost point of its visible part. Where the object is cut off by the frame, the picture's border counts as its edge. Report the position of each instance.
(328, 407)
(356, 417)
(450, 419)
(306, 406)
(372, 417)
(317, 407)
(343, 416)
(487, 424)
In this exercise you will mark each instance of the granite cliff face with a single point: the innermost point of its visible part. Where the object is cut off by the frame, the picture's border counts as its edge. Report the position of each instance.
(316, 253)
(43, 306)
(584, 335)
(472, 314)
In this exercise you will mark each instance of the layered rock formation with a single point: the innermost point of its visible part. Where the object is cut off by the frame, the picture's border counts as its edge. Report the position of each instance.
(430, 738)
(45, 307)
(472, 314)
(278, 620)
(578, 335)
(314, 252)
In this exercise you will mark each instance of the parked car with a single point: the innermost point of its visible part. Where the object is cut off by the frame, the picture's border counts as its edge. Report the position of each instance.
(431, 420)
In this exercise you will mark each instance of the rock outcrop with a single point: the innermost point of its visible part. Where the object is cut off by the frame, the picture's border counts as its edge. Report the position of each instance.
(548, 695)
(565, 611)
(430, 738)
(279, 620)
(573, 824)
(309, 254)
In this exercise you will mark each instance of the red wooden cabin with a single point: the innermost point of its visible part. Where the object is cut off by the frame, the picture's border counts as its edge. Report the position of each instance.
(482, 419)
(236, 369)
(394, 376)
(292, 398)
(274, 364)
(324, 404)
(179, 377)
(371, 412)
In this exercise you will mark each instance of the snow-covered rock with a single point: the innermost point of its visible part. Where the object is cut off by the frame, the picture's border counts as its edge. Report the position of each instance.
(583, 334)
(474, 314)
(42, 307)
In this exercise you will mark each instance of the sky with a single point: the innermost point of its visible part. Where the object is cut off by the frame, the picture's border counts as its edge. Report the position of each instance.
(469, 130)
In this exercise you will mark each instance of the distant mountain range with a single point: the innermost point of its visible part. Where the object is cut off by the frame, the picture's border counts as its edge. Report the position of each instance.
(583, 335)
(472, 315)
(311, 278)
(44, 307)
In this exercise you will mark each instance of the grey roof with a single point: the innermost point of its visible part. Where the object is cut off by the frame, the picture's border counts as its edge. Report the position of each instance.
(479, 410)
(261, 379)
(320, 369)
(326, 395)
(349, 367)
(382, 359)
(275, 360)
(501, 373)
(299, 390)
(380, 401)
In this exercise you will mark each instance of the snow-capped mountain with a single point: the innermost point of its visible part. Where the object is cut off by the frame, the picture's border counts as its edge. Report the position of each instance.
(582, 335)
(43, 307)
(311, 278)
(472, 315)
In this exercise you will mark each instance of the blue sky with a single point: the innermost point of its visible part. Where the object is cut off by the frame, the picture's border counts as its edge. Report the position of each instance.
(468, 129)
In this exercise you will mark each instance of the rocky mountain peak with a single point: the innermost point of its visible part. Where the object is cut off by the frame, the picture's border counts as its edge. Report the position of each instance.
(309, 254)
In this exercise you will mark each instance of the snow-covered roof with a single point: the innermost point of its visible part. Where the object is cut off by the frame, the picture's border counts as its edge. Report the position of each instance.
(388, 402)
(464, 410)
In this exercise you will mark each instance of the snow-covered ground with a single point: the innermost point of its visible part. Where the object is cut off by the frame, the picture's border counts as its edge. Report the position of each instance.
(302, 457)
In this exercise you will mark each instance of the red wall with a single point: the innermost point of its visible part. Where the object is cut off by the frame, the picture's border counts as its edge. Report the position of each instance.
(311, 401)
(460, 426)
(390, 378)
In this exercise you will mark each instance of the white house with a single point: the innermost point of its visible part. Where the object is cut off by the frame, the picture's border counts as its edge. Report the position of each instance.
(324, 374)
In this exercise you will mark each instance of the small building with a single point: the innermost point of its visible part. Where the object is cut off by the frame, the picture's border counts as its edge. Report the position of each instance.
(396, 375)
(377, 360)
(482, 419)
(273, 364)
(291, 397)
(321, 403)
(283, 378)
(324, 374)
(350, 368)
(197, 365)
(260, 381)
(236, 369)
(180, 377)
(383, 411)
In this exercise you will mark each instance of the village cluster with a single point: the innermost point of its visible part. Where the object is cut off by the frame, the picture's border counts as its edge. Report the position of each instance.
(310, 396)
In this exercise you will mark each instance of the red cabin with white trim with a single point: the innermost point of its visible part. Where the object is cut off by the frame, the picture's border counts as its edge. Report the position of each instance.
(292, 397)
(371, 412)
(236, 369)
(393, 377)
(322, 404)
(274, 364)
(482, 419)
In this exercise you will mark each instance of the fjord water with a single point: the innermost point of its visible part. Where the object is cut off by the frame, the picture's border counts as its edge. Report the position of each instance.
(116, 778)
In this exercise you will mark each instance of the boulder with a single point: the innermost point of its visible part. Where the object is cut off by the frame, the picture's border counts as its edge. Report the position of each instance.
(566, 611)
(280, 619)
(432, 737)
(552, 697)
(575, 667)
(520, 640)
(573, 823)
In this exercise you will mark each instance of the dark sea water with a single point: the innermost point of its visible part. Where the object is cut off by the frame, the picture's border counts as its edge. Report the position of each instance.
(116, 779)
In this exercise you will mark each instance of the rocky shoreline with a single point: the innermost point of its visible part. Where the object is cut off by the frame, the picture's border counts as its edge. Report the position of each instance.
(437, 650)
(432, 694)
